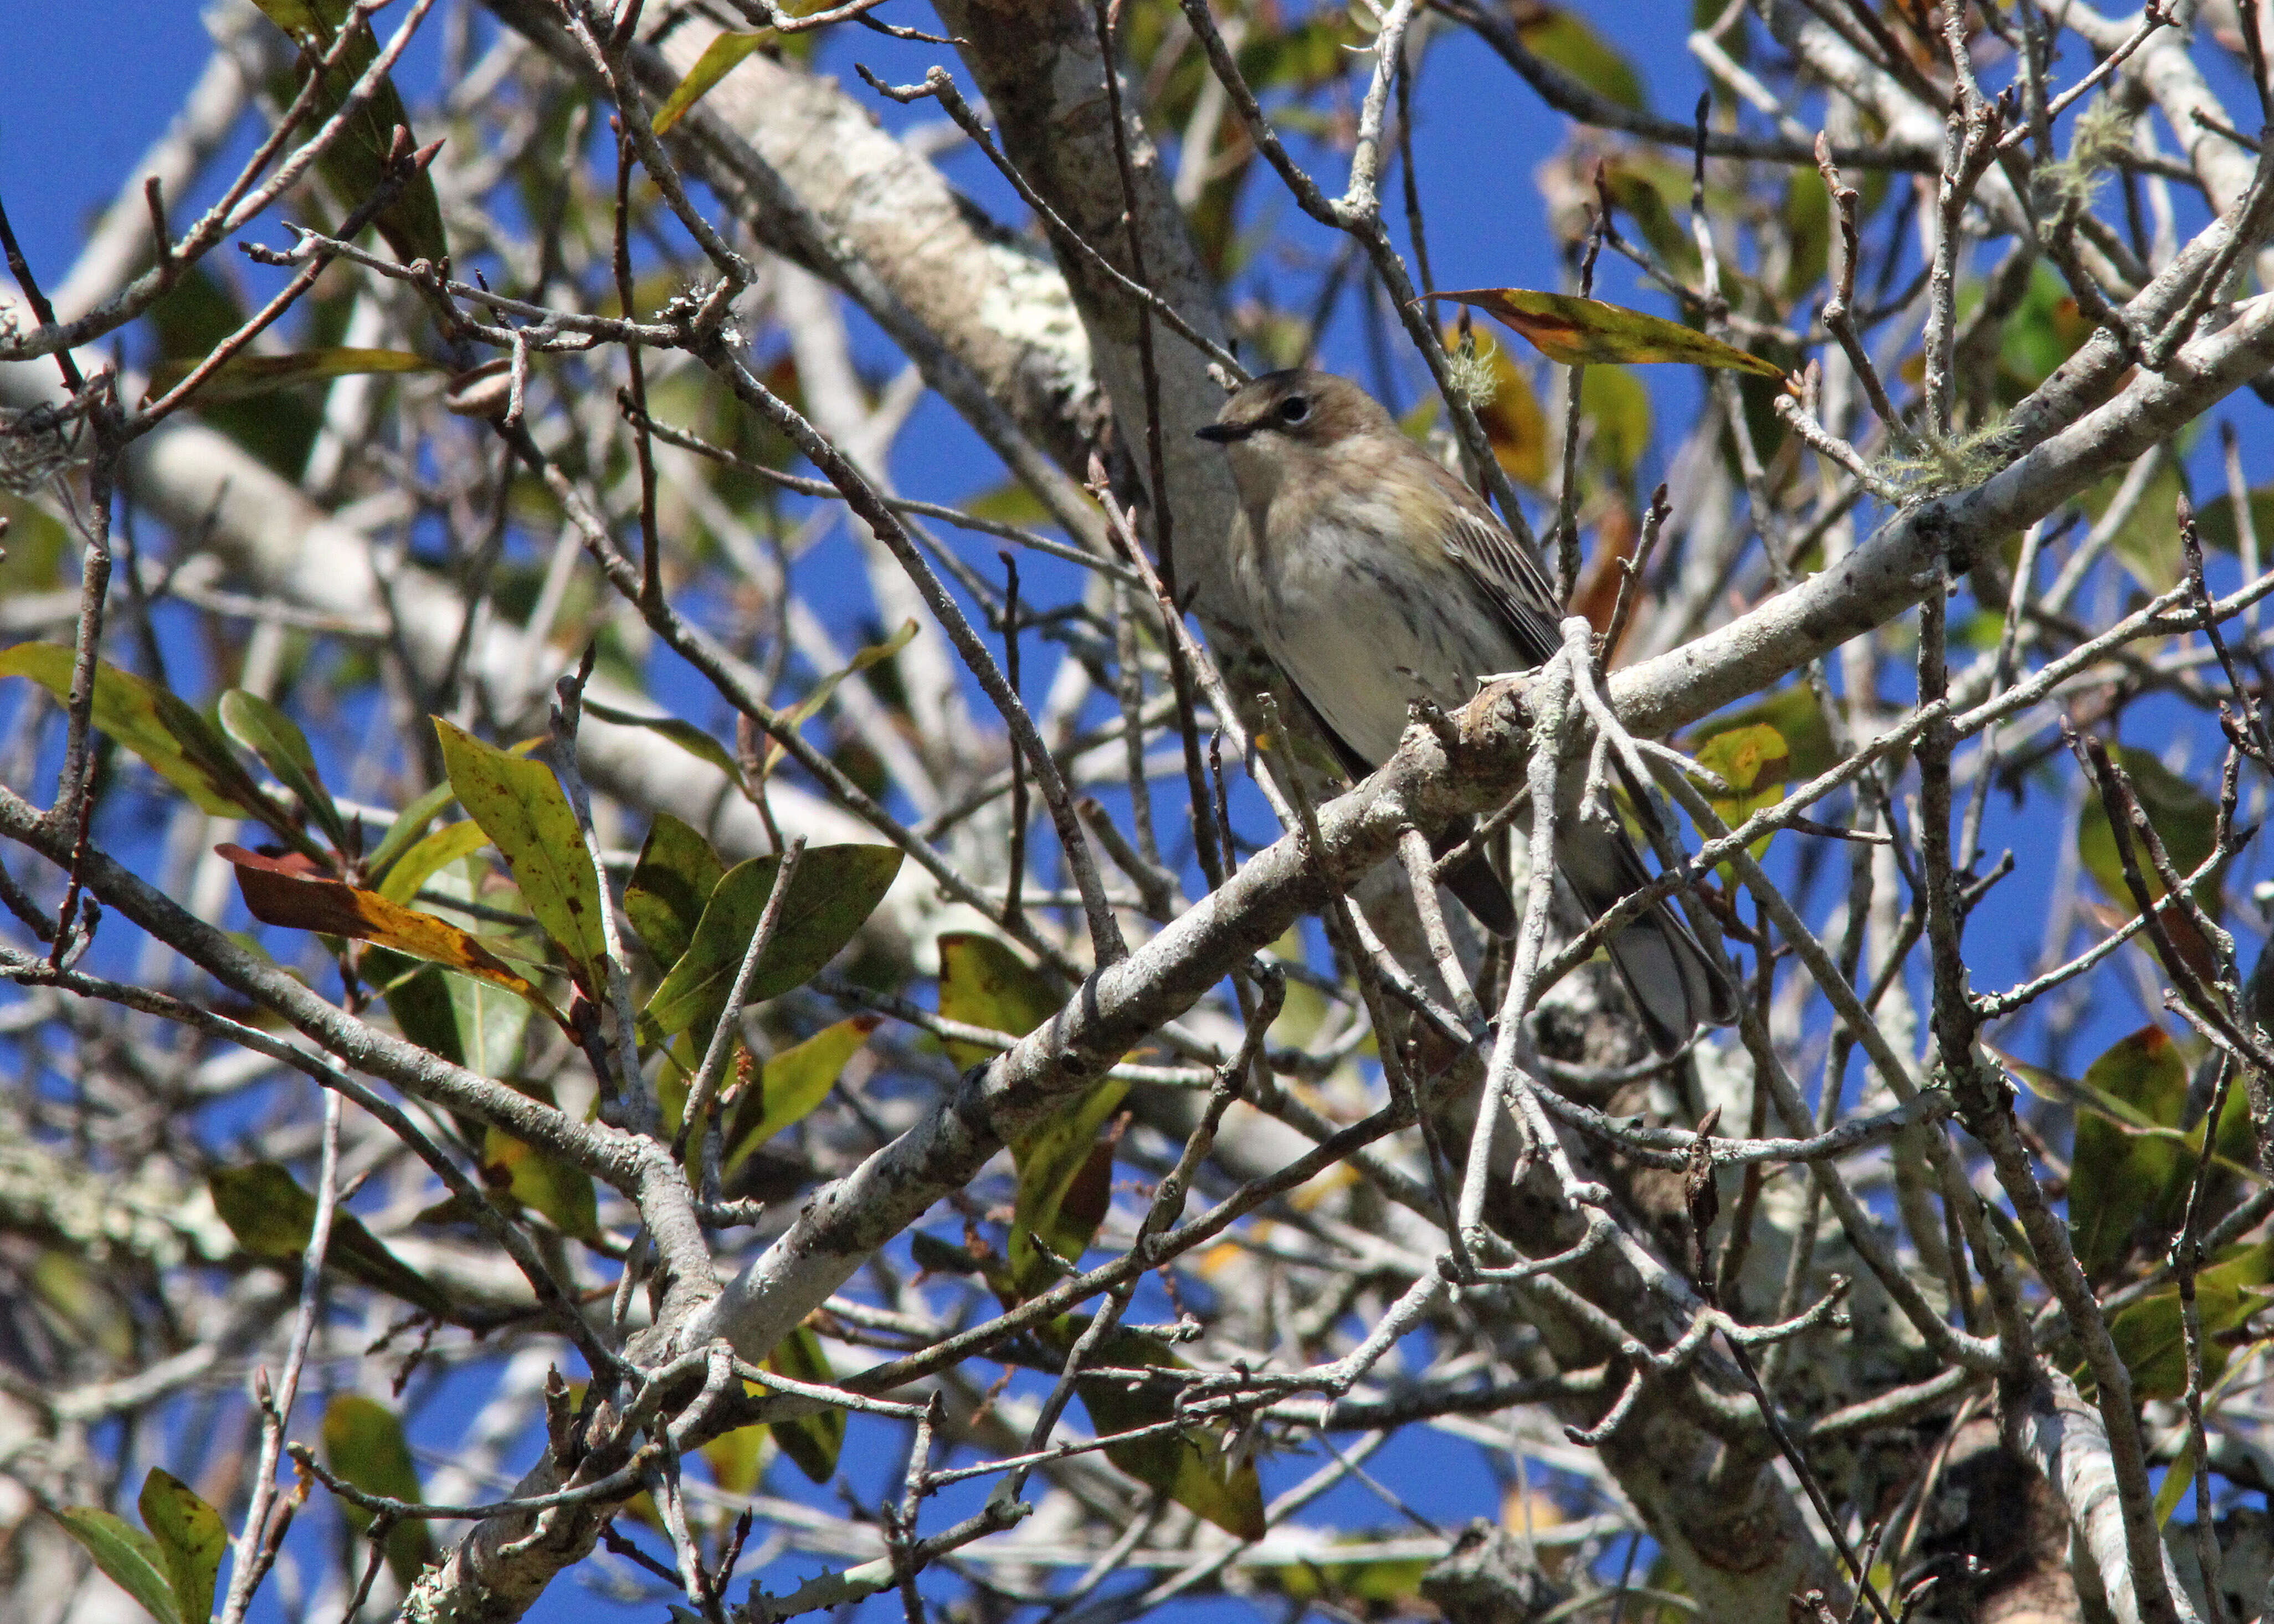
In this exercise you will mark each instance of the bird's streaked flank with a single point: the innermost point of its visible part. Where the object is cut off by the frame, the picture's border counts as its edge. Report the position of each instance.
(1375, 578)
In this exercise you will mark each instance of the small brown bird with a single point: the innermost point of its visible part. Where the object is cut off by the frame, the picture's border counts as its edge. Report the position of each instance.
(1375, 578)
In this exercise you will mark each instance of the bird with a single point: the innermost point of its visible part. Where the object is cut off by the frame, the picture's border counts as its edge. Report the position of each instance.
(1374, 577)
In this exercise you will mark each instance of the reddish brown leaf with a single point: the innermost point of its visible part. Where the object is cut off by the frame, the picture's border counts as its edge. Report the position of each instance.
(280, 891)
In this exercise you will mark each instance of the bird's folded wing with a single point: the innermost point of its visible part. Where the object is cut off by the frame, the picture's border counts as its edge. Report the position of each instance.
(1512, 583)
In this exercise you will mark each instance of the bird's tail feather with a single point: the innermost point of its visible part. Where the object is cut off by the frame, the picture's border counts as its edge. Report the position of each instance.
(1675, 987)
(1674, 983)
(1474, 882)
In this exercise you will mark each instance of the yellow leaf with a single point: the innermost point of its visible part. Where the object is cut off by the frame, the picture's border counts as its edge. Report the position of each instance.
(720, 57)
(1754, 762)
(244, 375)
(1577, 332)
(810, 707)
(792, 1083)
(983, 983)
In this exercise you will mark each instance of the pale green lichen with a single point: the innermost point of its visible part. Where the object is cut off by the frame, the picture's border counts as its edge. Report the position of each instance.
(1026, 302)
(2101, 136)
(431, 1601)
(1930, 465)
(1469, 370)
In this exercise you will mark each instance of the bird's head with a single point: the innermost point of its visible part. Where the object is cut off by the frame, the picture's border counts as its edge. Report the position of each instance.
(1297, 407)
(1283, 422)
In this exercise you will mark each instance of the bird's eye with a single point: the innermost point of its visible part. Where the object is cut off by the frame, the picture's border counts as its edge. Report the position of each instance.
(1294, 409)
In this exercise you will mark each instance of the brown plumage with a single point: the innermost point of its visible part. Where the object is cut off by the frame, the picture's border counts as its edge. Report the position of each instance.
(1374, 578)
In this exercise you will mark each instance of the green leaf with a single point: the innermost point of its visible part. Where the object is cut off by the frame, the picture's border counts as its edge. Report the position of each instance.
(1190, 1466)
(1389, 1579)
(1011, 503)
(2176, 1483)
(720, 57)
(1305, 56)
(129, 1556)
(676, 873)
(1581, 331)
(82, 1295)
(936, 1255)
(2117, 1176)
(810, 707)
(491, 1024)
(409, 825)
(2151, 1335)
(812, 1440)
(467, 1020)
(244, 376)
(520, 806)
(839, 1589)
(2044, 331)
(792, 1084)
(189, 1539)
(434, 853)
(276, 739)
(272, 1218)
(202, 310)
(178, 744)
(983, 982)
(1064, 1173)
(737, 1459)
(1064, 1187)
(364, 1443)
(418, 996)
(2147, 542)
(1063, 1182)
(1618, 406)
(37, 546)
(2185, 819)
(2215, 523)
(1650, 187)
(1556, 35)
(836, 888)
(1807, 213)
(485, 1025)
(354, 164)
(685, 735)
(561, 1192)
(681, 1055)
(2235, 1140)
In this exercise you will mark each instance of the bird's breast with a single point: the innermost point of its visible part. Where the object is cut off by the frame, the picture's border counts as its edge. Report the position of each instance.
(1364, 623)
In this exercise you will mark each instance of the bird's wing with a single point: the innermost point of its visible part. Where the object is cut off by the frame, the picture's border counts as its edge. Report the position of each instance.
(1354, 764)
(1510, 578)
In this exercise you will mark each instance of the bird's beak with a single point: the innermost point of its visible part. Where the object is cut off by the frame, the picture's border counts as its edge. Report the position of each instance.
(1224, 433)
